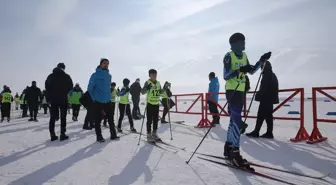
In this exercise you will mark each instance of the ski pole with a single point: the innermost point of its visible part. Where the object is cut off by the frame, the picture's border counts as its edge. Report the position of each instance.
(206, 134)
(143, 120)
(171, 133)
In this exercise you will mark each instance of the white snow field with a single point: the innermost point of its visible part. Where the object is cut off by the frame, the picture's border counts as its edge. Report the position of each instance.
(28, 157)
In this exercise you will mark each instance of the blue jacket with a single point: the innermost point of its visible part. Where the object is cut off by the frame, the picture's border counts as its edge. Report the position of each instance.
(99, 86)
(213, 88)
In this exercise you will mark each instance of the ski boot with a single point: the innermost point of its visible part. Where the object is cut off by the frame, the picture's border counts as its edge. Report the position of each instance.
(133, 130)
(155, 136)
(227, 148)
(243, 127)
(237, 160)
(150, 138)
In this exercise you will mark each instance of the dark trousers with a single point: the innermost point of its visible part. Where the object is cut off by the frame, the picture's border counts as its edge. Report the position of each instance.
(152, 117)
(122, 109)
(5, 110)
(24, 110)
(265, 112)
(165, 108)
(75, 110)
(136, 109)
(99, 109)
(213, 110)
(113, 110)
(45, 108)
(90, 117)
(54, 113)
(33, 108)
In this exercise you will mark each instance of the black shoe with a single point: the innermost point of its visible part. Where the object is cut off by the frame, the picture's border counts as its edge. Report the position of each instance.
(119, 130)
(133, 130)
(87, 128)
(100, 139)
(227, 148)
(54, 138)
(163, 121)
(267, 136)
(2, 119)
(114, 137)
(64, 137)
(8, 120)
(237, 160)
(243, 127)
(253, 134)
(35, 120)
(31, 119)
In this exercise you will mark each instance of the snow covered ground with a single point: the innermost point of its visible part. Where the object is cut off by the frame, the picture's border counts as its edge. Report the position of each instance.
(28, 157)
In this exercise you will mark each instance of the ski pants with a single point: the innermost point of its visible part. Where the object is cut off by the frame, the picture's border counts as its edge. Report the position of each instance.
(75, 110)
(113, 110)
(90, 116)
(265, 112)
(152, 117)
(236, 102)
(5, 110)
(165, 102)
(136, 109)
(45, 108)
(54, 114)
(24, 110)
(125, 108)
(99, 108)
(33, 108)
(213, 110)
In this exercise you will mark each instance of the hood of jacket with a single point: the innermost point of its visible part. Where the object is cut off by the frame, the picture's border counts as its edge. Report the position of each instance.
(58, 70)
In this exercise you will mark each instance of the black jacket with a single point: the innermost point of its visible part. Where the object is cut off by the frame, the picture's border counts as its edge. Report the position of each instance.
(135, 90)
(58, 85)
(33, 95)
(269, 86)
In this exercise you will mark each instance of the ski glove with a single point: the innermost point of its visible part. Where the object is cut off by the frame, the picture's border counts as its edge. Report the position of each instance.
(265, 56)
(245, 69)
(148, 87)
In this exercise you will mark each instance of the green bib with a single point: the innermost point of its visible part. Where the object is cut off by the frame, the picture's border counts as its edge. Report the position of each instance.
(74, 98)
(114, 95)
(124, 99)
(153, 95)
(236, 64)
(22, 99)
(6, 97)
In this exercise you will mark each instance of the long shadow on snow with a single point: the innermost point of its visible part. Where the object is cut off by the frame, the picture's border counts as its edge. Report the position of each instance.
(21, 154)
(135, 168)
(48, 172)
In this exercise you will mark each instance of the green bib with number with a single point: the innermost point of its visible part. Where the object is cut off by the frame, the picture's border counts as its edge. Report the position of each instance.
(124, 99)
(74, 98)
(237, 83)
(153, 95)
(6, 97)
(114, 95)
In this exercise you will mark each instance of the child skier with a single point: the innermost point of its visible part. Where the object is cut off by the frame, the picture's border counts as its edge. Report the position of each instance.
(6, 102)
(124, 106)
(153, 89)
(236, 65)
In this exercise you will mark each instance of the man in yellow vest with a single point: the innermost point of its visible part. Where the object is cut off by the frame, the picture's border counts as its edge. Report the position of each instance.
(75, 95)
(113, 102)
(153, 89)
(6, 102)
(124, 106)
(236, 65)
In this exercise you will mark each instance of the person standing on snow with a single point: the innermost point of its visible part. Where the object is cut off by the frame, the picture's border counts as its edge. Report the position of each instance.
(99, 89)
(113, 102)
(6, 102)
(267, 95)
(44, 102)
(75, 95)
(23, 103)
(33, 98)
(166, 102)
(135, 91)
(213, 91)
(236, 65)
(17, 101)
(58, 85)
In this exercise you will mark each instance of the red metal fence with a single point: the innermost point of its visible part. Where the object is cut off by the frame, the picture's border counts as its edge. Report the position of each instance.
(316, 136)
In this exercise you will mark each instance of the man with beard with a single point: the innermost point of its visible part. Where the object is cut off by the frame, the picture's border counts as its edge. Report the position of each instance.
(33, 98)
(58, 85)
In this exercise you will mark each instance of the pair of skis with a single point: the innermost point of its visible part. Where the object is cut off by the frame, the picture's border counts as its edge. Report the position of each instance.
(260, 166)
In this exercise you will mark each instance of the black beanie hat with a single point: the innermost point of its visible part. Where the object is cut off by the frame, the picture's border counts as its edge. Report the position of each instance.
(212, 75)
(152, 71)
(61, 65)
(113, 84)
(236, 37)
(126, 82)
(103, 60)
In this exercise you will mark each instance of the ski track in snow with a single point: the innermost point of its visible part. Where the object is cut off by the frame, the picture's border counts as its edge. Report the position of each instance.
(28, 157)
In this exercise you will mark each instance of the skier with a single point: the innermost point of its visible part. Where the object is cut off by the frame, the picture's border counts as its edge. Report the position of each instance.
(213, 97)
(113, 102)
(267, 95)
(100, 90)
(17, 101)
(33, 98)
(153, 89)
(23, 103)
(166, 102)
(124, 105)
(236, 65)
(6, 101)
(45, 102)
(58, 84)
(75, 95)
(135, 91)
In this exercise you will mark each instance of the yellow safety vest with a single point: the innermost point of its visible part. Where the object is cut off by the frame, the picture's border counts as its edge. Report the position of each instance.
(124, 99)
(6, 97)
(153, 95)
(113, 95)
(236, 63)
(22, 99)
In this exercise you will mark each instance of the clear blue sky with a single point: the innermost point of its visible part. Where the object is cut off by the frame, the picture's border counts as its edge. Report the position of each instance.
(183, 39)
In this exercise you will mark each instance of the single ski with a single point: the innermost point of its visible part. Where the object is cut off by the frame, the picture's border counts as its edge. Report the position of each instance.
(271, 168)
(161, 147)
(248, 171)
